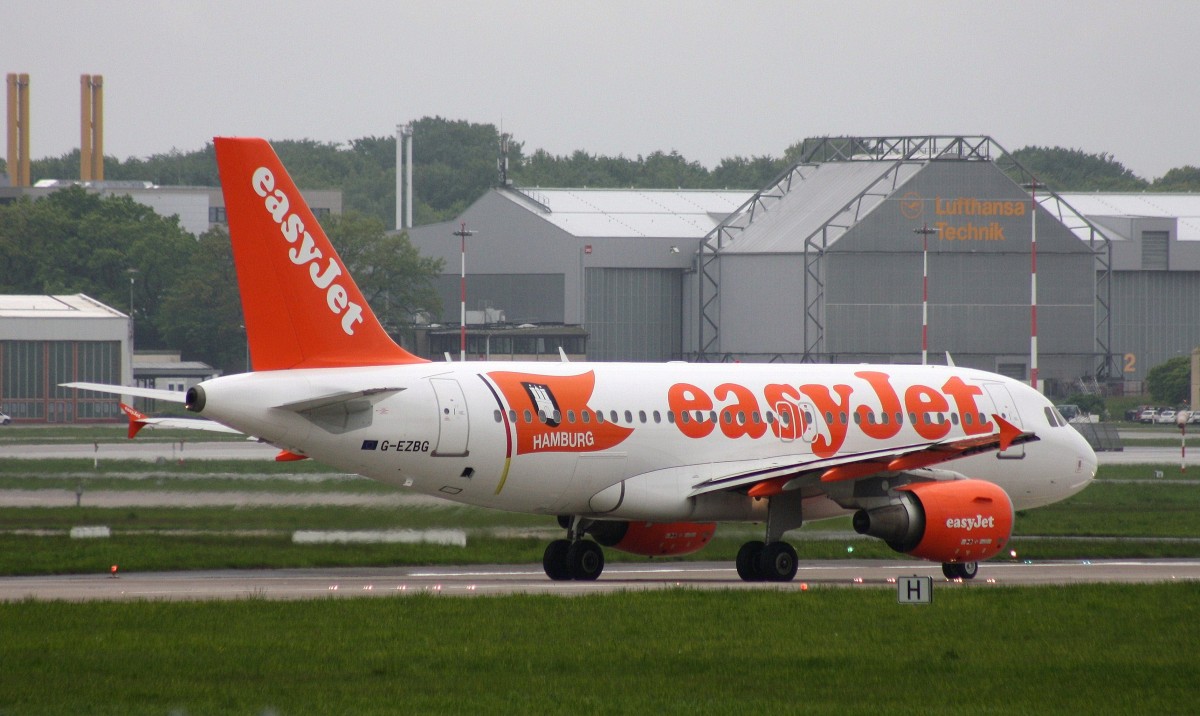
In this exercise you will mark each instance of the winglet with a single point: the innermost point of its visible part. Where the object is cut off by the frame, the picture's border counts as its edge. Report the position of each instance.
(301, 307)
(137, 419)
(1008, 432)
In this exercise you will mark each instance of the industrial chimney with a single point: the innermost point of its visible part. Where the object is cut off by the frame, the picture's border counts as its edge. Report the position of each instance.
(91, 128)
(18, 129)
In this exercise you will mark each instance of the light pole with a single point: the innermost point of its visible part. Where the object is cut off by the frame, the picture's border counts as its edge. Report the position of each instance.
(925, 232)
(1033, 186)
(132, 274)
(462, 234)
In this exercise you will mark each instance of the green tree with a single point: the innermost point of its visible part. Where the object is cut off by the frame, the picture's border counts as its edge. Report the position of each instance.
(201, 312)
(1170, 382)
(1076, 170)
(394, 277)
(1182, 179)
(74, 241)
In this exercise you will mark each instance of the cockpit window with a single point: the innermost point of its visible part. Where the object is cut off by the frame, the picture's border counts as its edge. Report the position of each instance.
(1053, 417)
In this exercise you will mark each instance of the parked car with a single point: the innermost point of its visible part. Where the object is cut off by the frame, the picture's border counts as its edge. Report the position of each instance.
(1165, 417)
(1148, 415)
(5, 419)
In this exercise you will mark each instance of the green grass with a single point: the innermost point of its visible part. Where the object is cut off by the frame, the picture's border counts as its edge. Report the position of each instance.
(987, 650)
(1152, 518)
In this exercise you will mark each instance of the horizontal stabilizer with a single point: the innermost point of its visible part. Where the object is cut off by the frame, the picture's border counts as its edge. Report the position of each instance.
(172, 396)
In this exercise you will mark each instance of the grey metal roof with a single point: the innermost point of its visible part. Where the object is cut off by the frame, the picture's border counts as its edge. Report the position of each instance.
(1185, 208)
(49, 307)
(824, 193)
(632, 213)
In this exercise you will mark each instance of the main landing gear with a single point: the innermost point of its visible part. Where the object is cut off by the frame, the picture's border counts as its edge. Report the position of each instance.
(574, 557)
(773, 560)
(766, 562)
(960, 570)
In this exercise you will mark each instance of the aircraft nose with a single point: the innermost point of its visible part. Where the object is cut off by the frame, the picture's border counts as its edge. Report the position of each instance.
(1081, 458)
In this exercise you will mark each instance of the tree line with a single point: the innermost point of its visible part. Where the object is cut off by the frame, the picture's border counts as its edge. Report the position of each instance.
(455, 162)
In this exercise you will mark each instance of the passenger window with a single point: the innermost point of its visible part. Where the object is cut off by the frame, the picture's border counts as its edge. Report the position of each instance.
(528, 417)
(512, 416)
(629, 417)
(498, 416)
(671, 417)
(599, 416)
(726, 417)
(912, 418)
(712, 415)
(642, 416)
(967, 418)
(586, 415)
(612, 415)
(542, 416)
(685, 416)
(756, 417)
(954, 418)
(770, 418)
(858, 418)
(570, 416)
(828, 418)
(899, 418)
(843, 417)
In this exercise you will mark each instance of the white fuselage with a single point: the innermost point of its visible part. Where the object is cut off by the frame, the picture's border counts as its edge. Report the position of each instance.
(472, 432)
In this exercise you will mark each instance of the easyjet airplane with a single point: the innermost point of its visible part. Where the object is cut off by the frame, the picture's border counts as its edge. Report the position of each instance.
(644, 458)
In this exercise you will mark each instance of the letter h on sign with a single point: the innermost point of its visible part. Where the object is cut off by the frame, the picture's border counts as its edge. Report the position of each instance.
(914, 590)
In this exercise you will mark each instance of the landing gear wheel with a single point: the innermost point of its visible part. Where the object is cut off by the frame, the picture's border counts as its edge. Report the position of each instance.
(748, 561)
(554, 561)
(585, 560)
(960, 570)
(777, 563)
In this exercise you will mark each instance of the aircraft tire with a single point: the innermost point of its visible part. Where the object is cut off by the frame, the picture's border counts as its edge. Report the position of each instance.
(554, 560)
(960, 570)
(748, 561)
(585, 560)
(778, 562)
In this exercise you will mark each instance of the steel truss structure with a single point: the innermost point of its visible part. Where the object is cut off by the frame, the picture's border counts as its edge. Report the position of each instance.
(897, 152)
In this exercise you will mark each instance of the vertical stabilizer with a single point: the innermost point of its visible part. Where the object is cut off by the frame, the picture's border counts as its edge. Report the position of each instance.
(302, 309)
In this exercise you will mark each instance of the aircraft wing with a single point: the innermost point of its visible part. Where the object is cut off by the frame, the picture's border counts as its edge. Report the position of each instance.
(771, 476)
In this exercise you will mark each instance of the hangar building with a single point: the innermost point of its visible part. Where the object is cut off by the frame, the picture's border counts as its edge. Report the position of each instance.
(838, 259)
(47, 340)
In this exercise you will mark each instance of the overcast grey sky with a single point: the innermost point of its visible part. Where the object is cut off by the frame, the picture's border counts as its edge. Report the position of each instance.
(709, 79)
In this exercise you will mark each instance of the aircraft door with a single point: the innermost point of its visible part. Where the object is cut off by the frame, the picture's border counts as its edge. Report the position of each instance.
(796, 421)
(1003, 403)
(453, 426)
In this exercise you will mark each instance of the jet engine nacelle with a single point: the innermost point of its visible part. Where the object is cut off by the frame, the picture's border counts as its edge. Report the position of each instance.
(653, 539)
(954, 521)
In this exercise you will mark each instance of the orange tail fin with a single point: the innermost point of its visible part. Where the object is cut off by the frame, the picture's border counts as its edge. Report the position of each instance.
(301, 307)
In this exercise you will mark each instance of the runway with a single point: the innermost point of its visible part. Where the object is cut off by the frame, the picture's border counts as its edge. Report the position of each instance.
(480, 580)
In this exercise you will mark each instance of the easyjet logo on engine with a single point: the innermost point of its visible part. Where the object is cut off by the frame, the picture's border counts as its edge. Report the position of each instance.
(323, 275)
(837, 404)
(970, 523)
